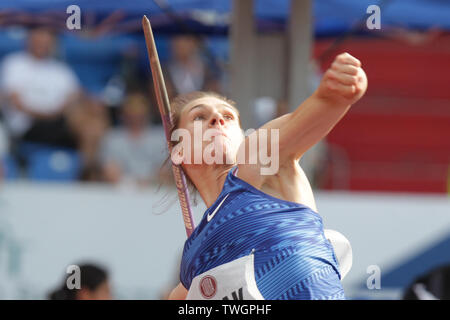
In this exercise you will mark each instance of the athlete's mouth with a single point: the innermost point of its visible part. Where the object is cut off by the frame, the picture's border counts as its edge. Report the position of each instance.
(220, 132)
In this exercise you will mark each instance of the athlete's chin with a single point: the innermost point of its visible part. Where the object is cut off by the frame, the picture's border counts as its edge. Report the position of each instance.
(229, 152)
(227, 157)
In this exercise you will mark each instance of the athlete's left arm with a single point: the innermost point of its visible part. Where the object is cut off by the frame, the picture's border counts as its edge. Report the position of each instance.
(342, 85)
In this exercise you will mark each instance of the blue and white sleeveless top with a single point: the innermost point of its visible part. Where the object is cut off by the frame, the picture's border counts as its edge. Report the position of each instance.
(291, 258)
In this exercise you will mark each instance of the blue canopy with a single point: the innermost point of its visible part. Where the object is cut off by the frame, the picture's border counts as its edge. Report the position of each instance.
(213, 16)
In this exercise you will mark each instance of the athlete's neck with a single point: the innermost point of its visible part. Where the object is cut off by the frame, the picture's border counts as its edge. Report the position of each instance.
(208, 179)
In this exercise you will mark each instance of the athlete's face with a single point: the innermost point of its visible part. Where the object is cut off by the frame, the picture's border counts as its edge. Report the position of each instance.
(219, 125)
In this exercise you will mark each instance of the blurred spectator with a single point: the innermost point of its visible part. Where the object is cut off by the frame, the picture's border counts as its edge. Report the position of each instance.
(38, 91)
(435, 285)
(186, 70)
(135, 151)
(94, 283)
(4, 149)
(89, 121)
(265, 109)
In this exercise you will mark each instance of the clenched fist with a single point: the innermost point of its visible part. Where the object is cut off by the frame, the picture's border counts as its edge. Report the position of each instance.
(344, 82)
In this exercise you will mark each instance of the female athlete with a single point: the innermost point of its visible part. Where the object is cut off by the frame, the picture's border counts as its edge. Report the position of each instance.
(261, 236)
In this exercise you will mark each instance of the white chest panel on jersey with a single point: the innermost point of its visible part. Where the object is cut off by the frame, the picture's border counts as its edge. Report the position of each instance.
(233, 281)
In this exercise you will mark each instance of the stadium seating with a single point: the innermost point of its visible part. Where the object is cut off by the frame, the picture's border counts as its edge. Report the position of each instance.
(10, 168)
(47, 163)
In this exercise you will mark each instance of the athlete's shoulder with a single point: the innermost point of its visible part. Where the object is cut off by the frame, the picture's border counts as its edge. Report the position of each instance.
(250, 174)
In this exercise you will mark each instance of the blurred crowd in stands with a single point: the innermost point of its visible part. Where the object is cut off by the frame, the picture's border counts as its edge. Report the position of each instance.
(52, 128)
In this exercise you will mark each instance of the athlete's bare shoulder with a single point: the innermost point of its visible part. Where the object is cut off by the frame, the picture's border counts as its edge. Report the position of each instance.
(288, 183)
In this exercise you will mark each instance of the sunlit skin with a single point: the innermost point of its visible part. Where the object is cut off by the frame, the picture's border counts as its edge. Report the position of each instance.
(343, 84)
(212, 114)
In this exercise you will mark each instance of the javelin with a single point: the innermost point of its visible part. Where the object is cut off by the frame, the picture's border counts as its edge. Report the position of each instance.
(164, 109)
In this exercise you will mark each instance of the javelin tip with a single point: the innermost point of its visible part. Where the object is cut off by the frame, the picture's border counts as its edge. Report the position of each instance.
(145, 19)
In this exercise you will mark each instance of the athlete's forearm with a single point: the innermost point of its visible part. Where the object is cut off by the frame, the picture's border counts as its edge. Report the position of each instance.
(342, 85)
(308, 124)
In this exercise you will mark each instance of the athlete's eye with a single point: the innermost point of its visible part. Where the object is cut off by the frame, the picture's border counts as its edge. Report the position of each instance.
(199, 117)
(228, 117)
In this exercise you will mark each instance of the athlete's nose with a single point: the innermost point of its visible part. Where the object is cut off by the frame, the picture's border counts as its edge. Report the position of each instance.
(216, 120)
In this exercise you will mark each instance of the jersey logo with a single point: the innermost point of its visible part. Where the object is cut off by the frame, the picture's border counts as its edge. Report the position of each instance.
(235, 295)
(208, 287)
(210, 216)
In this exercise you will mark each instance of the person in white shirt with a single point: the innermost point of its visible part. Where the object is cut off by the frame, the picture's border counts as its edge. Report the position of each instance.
(38, 89)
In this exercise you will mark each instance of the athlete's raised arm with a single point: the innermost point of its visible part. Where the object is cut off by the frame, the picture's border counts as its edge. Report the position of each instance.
(342, 85)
